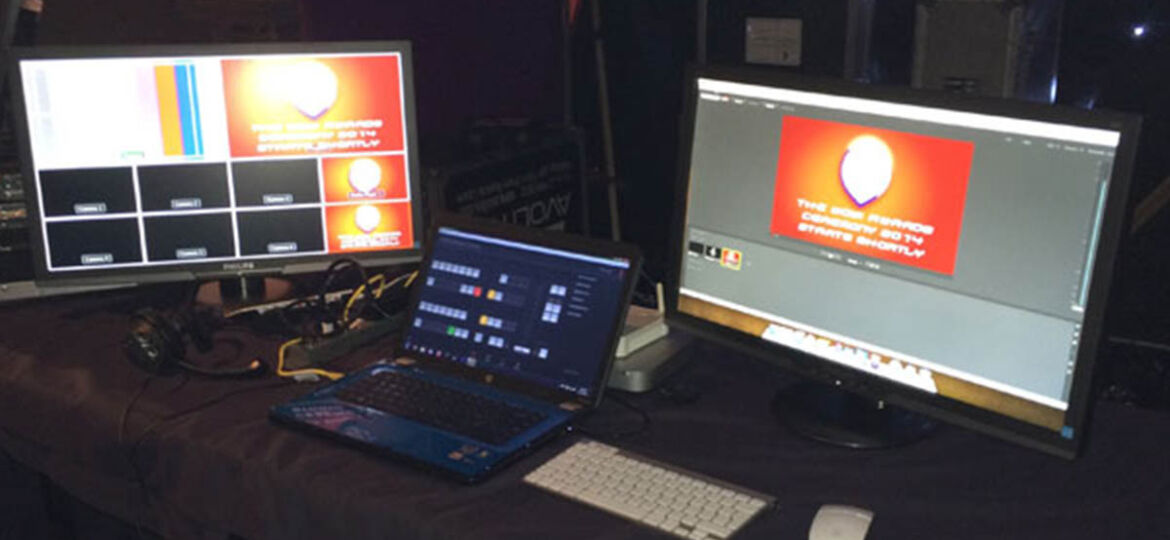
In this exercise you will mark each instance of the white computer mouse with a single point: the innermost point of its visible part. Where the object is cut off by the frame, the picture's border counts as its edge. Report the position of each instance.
(840, 522)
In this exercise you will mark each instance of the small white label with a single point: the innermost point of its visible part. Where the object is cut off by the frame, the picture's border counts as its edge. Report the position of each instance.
(97, 258)
(772, 41)
(191, 253)
(89, 208)
(282, 247)
(192, 203)
(278, 198)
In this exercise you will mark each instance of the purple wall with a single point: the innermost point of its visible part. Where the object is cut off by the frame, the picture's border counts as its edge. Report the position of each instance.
(473, 58)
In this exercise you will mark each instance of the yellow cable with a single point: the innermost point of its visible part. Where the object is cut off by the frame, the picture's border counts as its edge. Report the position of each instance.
(331, 375)
(349, 303)
(380, 278)
(378, 290)
(369, 284)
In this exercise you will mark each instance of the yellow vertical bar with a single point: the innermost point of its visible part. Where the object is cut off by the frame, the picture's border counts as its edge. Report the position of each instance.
(168, 110)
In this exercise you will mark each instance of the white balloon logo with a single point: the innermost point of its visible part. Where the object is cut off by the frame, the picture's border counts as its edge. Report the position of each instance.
(312, 88)
(364, 175)
(367, 218)
(867, 168)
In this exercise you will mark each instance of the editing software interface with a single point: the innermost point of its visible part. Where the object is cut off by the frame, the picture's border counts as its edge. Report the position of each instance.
(160, 161)
(945, 250)
(518, 309)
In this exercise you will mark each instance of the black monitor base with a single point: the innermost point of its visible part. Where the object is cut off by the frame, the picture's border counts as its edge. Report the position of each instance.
(834, 416)
(235, 292)
(244, 290)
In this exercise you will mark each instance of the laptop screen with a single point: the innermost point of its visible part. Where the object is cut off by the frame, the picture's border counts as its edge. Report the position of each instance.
(517, 309)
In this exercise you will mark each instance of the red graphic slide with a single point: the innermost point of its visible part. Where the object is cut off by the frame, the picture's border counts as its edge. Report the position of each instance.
(365, 178)
(880, 193)
(369, 227)
(314, 105)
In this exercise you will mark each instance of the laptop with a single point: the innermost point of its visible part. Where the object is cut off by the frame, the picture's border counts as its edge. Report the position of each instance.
(509, 336)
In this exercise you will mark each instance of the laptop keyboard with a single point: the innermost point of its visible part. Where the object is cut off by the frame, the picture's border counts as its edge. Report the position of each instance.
(478, 417)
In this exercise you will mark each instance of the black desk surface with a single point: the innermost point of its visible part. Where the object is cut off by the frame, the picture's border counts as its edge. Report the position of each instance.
(214, 466)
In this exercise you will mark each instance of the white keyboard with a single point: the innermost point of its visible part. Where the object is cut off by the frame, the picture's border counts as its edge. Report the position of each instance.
(682, 503)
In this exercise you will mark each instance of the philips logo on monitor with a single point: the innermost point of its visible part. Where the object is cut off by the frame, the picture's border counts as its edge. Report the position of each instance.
(239, 266)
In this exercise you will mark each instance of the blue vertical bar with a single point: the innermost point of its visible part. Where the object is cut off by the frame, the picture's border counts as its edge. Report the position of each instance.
(195, 110)
(186, 123)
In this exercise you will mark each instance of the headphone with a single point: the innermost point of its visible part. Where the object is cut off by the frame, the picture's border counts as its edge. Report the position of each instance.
(157, 343)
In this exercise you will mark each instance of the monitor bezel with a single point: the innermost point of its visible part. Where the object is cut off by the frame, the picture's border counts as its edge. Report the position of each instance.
(872, 386)
(242, 267)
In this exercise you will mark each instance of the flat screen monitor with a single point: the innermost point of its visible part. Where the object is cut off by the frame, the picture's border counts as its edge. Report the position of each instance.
(947, 254)
(190, 162)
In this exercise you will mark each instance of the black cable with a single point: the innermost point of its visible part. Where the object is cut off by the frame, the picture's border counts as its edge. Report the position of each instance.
(129, 457)
(283, 313)
(129, 405)
(335, 269)
(374, 303)
(1141, 343)
(199, 408)
(395, 297)
(640, 294)
(134, 448)
(193, 296)
(643, 426)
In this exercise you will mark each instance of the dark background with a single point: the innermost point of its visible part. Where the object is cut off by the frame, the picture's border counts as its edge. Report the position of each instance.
(255, 179)
(72, 239)
(260, 228)
(160, 185)
(166, 235)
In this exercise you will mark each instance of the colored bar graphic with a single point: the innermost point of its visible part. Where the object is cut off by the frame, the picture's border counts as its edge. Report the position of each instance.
(178, 105)
(198, 127)
(186, 127)
(168, 110)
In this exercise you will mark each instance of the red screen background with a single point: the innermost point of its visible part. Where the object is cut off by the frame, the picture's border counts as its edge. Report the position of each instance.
(929, 186)
(369, 88)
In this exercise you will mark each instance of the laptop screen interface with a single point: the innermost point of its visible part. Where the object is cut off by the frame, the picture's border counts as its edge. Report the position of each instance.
(517, 309)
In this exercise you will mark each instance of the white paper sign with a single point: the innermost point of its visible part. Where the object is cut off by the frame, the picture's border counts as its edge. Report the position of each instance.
(772, 41)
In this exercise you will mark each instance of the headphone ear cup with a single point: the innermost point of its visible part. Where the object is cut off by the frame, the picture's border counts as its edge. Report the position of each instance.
(154, 343)
(157, 343)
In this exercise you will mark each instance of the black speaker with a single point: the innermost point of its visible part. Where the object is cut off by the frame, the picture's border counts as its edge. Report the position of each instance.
(157, 343)
(1001, 48)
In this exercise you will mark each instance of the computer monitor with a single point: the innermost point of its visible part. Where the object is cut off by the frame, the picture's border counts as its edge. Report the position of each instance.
(946, 254)
(148, 164)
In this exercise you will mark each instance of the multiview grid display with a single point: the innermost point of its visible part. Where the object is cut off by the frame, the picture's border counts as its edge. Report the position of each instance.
(143, 162)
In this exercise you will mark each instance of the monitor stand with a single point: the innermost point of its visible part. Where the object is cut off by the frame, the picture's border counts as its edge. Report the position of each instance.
(241, 291)
(831, 415)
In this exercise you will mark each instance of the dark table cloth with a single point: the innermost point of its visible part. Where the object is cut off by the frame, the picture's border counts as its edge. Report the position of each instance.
(197, 458)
